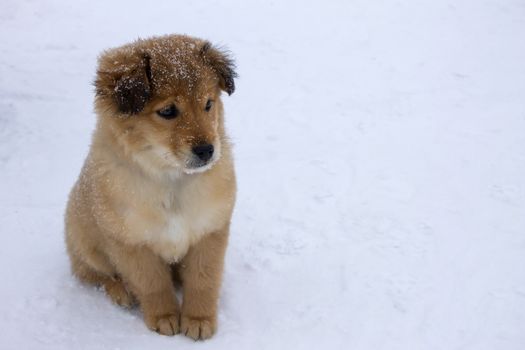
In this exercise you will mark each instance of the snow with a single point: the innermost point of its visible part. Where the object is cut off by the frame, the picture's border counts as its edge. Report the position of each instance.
(380, 152)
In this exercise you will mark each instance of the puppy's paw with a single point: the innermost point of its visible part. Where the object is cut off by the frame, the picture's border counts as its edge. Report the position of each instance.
(119, 294)
(198, 327)
(165, 325)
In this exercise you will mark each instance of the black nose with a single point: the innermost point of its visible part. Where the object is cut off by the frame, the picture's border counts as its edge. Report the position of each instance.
(204, 152)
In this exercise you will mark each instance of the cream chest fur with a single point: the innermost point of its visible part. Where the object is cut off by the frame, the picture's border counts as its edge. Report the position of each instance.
(169, 215)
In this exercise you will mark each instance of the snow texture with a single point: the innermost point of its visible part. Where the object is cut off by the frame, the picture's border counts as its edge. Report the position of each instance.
(380, 151)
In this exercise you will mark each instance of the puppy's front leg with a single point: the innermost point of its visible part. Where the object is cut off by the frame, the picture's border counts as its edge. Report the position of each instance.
(149, 278)
(201, 273)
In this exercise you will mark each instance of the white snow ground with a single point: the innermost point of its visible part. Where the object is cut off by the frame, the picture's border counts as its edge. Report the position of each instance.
(380, 151)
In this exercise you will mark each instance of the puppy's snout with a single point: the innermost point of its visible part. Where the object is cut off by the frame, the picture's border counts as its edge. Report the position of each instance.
(204, 152)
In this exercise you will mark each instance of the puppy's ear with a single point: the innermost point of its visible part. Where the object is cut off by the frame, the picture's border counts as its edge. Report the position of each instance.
(222, 64)
(125, 79)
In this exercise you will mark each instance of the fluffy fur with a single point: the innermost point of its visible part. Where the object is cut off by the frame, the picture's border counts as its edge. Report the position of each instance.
(143, 214)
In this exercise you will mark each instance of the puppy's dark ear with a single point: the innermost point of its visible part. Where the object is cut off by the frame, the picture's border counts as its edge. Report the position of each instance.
(125, 79)
(133, 91)
(222, 64)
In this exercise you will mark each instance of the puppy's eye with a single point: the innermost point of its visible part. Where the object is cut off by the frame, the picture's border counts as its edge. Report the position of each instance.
(209, 104)
(168, 112)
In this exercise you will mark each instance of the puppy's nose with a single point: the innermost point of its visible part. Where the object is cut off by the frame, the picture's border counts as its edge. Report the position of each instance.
(204, 152)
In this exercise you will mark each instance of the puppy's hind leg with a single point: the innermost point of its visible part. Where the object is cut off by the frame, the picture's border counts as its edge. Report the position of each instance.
(112, 284)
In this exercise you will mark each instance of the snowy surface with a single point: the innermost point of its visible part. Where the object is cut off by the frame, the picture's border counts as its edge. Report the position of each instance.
(380, 150)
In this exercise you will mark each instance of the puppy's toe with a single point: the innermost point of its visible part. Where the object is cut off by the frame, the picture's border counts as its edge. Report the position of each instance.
(198, 327)
(119, 294)
(168, 325)
(165, 325)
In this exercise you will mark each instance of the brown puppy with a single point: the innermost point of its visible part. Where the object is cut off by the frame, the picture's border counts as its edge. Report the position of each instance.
(156, 193)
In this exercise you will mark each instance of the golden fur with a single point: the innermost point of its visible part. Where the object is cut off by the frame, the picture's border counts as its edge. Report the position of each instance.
(141, 212)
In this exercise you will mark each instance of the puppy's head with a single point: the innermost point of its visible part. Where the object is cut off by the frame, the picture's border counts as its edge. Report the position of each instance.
(160, 98)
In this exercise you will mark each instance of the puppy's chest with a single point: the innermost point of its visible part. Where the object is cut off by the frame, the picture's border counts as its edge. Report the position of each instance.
(178, 222)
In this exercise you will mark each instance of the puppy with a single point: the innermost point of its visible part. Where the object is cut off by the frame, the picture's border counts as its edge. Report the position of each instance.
(156, 193)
